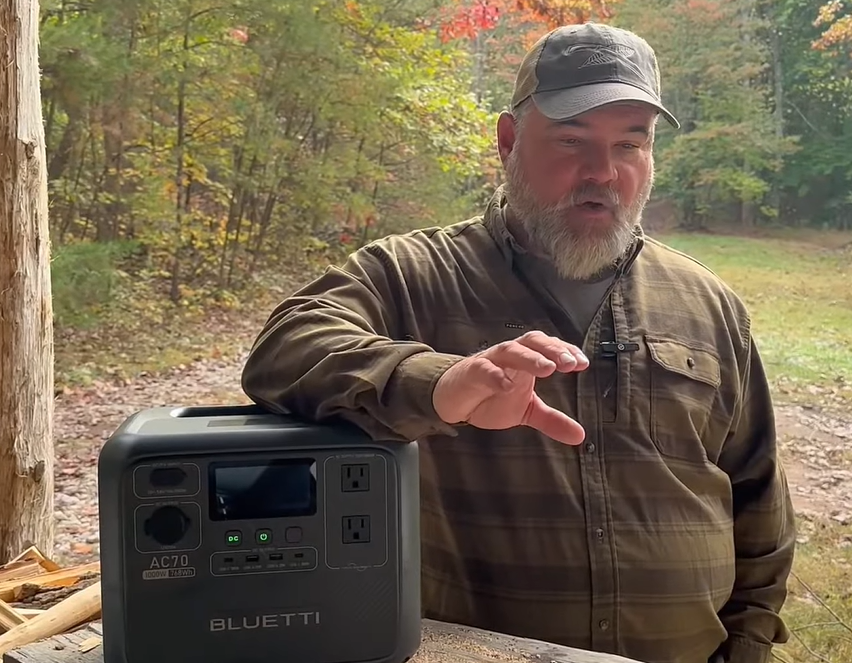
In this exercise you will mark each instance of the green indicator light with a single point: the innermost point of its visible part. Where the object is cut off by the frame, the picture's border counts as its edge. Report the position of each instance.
(264, 536)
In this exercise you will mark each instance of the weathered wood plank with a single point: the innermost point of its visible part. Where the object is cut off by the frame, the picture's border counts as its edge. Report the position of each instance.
(441, 643)
(65, 648)
(450, 643)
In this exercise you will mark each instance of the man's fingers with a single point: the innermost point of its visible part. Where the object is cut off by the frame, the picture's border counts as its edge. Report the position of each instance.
(566, 356)
(514, 356)
(553, 423)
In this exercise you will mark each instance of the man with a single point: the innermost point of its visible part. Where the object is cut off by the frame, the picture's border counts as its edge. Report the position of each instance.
(597, 445)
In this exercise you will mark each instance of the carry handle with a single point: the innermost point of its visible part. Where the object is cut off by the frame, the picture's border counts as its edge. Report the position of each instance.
(219, 410)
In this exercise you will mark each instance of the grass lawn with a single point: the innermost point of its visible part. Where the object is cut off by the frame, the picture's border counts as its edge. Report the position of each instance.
(818, 611)
(799, 289)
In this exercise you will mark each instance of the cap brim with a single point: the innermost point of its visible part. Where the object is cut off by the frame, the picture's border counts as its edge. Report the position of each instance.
(567, 103)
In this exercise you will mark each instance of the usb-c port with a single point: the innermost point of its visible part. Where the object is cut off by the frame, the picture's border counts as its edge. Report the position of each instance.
(252, 558)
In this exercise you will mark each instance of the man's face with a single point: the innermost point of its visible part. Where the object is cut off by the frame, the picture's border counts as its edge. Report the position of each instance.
(579, 187)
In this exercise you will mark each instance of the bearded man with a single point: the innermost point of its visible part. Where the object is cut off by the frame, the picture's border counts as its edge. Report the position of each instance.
(597, 444)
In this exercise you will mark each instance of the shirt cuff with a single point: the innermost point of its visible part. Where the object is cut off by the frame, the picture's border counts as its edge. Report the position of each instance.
(742, 650)
(409, 394)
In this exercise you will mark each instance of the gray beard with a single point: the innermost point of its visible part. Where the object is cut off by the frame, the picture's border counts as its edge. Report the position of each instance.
(577, 250)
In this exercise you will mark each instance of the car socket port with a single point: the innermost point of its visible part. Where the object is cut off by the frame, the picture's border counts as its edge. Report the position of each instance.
(356, 529)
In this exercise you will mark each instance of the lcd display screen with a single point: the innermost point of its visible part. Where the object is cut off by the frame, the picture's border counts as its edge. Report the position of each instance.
(274, 489)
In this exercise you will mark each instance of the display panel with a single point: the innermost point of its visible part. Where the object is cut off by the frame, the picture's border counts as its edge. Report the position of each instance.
(274, 489)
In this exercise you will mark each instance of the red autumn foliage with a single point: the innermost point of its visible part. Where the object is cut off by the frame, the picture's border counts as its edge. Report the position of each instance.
(469, 19)
(239, 33)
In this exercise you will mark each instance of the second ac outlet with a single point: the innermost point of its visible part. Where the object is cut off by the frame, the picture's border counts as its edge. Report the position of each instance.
(356, 529)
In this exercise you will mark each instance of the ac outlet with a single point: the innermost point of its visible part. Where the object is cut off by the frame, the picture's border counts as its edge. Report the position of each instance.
(355, 478)
(356, 529)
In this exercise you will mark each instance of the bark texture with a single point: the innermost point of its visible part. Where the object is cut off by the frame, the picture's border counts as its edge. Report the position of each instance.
(26, 311)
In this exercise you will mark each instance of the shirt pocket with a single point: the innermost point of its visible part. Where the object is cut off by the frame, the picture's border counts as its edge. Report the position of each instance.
(684, 388)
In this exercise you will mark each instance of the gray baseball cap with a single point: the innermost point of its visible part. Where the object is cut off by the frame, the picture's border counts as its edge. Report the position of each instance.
(576, 68)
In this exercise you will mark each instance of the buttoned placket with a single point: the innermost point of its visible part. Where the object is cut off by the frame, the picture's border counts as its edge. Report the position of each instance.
(595, 394)
(591, 385)
(597, 405)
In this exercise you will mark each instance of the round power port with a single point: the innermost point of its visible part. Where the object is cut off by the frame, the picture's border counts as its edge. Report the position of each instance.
(167, 525)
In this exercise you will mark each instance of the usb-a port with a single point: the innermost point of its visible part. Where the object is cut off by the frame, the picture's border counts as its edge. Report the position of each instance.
(276, 557)
(252, 558)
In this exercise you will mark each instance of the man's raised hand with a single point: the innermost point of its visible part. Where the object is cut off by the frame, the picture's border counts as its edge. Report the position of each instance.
(495, 389)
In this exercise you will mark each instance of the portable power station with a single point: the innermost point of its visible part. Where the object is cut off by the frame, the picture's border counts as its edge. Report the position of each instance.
(231, 534)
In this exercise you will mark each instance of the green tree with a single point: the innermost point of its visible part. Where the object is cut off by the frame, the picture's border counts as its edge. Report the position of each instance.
(721, 164)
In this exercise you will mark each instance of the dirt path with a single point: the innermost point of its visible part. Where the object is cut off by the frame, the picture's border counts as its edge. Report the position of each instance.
(816, 447)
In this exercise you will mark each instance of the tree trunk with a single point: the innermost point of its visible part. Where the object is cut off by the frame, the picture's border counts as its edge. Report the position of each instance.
(778, 87)
(26, 312)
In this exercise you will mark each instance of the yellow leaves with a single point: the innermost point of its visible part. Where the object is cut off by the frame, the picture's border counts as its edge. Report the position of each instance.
(838, 29)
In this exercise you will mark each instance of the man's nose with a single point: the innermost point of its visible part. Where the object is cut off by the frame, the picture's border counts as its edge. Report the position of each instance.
(599, 166)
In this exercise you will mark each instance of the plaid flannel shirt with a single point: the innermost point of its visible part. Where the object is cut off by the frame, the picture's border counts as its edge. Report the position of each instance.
(667, 537)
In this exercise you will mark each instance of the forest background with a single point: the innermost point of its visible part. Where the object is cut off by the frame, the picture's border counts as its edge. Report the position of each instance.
(197, 146)
(207, 157)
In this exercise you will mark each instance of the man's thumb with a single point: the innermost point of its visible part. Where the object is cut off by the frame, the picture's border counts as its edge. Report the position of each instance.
(553, 423)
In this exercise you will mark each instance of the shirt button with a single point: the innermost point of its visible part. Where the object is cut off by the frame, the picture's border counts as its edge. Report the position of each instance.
(604, 624)
(590, 447)
(600, 533)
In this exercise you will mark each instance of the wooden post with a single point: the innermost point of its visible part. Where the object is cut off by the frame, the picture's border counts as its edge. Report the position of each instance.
(26, 312)
(441, 643)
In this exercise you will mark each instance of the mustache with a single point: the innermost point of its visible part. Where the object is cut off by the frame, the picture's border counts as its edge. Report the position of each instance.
(589, 192)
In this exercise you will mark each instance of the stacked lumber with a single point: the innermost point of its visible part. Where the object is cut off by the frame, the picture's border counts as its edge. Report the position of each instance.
(39, 599)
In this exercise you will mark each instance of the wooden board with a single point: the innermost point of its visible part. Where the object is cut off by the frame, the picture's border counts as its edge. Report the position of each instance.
(65, 648)
(60, 578)
(441, 643)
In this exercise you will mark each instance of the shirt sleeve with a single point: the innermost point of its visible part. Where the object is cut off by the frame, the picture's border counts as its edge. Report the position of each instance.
(764, 523)
(336, 349)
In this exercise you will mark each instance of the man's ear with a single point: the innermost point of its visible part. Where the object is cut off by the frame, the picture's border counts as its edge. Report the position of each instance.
(505, 135)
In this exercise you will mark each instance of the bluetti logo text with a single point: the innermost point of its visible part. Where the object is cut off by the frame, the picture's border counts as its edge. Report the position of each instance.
(273, 620)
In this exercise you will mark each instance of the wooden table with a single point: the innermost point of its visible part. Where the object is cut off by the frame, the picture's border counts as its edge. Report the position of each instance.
(441, 643)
